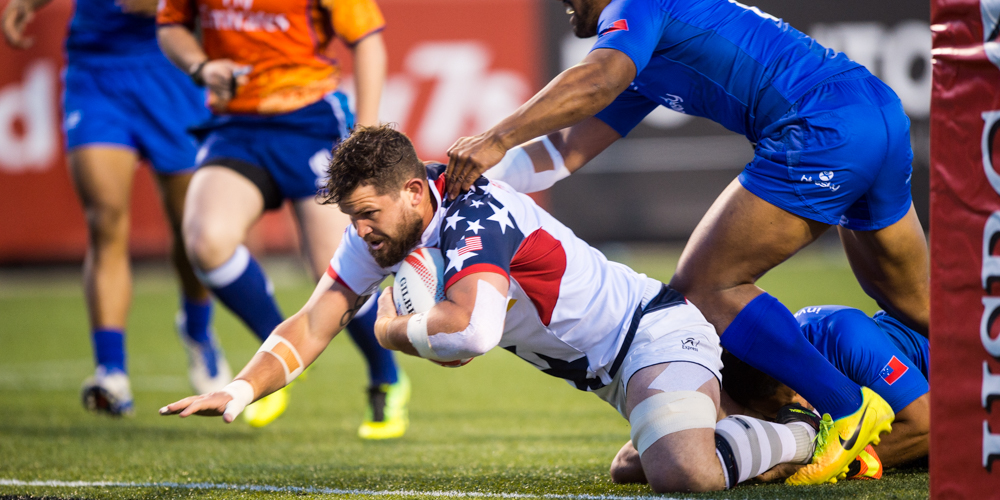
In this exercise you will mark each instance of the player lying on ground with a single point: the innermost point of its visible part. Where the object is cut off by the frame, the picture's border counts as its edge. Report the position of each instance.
(517, 278)
(831, 149)
(878, 352)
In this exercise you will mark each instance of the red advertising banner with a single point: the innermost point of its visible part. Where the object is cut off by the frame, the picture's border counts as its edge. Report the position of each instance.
(965, 258)
(455, 68)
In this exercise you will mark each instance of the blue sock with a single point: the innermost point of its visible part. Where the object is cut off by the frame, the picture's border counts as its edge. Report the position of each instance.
(241, 286)
(766, 336)
(197, 319)
(381, 365)
(109, 348)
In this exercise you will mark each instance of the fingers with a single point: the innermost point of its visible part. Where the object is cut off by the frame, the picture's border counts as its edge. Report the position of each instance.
(211, 405)
(386, 305)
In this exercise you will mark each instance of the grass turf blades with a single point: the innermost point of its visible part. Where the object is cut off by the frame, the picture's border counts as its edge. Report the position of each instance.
(495, 426)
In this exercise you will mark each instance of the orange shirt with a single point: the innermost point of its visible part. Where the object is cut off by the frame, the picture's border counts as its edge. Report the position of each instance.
(284, 41)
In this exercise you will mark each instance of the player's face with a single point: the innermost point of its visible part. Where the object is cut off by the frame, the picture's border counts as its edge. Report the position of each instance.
(389, 224)
(584, 15)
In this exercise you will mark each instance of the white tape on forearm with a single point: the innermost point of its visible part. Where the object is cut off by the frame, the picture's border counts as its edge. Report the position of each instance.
(286, 354)
(416, 331)
(242, 393)
(484, 331)
(517, 169)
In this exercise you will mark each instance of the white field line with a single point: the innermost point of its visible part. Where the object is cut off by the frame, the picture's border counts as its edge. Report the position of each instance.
(316, 490)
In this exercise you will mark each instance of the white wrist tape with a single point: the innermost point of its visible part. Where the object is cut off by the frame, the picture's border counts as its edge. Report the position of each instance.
(242, 394)
(416, 331)
(669, 412)
(484, 330)
(286, 354)
(518, 169)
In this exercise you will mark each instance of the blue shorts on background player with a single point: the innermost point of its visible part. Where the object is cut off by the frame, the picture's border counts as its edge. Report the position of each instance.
(123, 102)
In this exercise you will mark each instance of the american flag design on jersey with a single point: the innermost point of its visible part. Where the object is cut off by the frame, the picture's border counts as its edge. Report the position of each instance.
(569, 308)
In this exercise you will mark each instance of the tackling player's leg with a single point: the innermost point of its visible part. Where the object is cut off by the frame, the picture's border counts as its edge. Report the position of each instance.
(892, 266)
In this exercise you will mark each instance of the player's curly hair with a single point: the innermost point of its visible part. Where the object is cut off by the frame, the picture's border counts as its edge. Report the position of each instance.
(378, 156)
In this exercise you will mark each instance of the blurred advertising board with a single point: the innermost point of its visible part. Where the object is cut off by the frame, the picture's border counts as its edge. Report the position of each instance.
(657, 182)
(965, 267)
(455, 68)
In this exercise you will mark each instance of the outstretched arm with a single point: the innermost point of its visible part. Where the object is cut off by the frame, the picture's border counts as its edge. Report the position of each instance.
(468, 323)
(293, 346)
(574, 95)
(539, 164)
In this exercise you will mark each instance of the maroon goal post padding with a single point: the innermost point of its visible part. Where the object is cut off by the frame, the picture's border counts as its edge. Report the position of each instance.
(965, 250)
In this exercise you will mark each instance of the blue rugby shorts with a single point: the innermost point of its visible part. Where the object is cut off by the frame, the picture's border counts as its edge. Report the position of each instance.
(146, 106)
(840, 155)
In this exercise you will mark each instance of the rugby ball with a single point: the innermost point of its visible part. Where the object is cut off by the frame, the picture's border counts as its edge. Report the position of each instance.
(419, 282)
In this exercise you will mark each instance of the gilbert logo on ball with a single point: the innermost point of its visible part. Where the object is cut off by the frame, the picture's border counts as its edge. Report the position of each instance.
(419, 282)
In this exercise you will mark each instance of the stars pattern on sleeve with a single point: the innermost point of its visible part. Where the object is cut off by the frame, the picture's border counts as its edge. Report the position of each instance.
(501, 215)
(474, 226)
(452, 222)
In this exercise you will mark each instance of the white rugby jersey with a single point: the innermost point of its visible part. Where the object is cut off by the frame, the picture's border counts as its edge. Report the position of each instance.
(569, 309)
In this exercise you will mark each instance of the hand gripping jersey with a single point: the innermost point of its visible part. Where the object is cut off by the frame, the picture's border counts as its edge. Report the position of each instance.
(284, 41)
(568, 308)
(717, 59)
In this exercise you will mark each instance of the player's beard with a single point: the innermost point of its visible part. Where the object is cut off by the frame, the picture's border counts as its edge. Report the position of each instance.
(585, 18)
(396, 248)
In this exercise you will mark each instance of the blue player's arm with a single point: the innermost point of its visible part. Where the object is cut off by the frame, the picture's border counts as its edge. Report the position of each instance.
(574, 95)
(468, 323)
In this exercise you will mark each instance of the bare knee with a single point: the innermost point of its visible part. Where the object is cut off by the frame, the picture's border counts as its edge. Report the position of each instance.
(686, 477)
(107, 224)
(626, 467)
(209, 244)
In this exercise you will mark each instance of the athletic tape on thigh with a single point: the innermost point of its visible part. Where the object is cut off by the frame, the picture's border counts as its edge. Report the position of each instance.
(681, 376)
(669, 412)
(286, 354)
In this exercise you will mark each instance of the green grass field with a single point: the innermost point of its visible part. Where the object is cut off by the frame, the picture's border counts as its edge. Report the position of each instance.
(496, 426)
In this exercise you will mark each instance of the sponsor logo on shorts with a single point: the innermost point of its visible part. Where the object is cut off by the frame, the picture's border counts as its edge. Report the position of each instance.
(690, 344)
(825, 180)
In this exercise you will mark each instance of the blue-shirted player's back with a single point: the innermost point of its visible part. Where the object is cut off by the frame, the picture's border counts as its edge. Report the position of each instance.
(718, 59)
(880, 353)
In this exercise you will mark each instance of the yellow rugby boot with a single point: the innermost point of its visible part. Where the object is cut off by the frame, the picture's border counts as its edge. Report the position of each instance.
(839, 442)
(866, 465)
(388, 413)
(266, 409)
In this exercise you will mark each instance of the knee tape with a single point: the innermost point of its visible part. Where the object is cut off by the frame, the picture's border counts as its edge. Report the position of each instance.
(669, 412)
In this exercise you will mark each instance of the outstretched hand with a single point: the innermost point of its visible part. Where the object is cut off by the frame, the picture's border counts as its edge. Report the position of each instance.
(212, 404)
(468, 158)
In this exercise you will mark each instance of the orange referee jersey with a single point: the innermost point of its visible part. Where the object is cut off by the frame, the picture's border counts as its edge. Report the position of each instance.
(283, 41)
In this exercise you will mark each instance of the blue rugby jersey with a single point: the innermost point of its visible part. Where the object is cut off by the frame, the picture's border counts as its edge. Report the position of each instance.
(881, 353)
(100, 29)
(717, 59)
